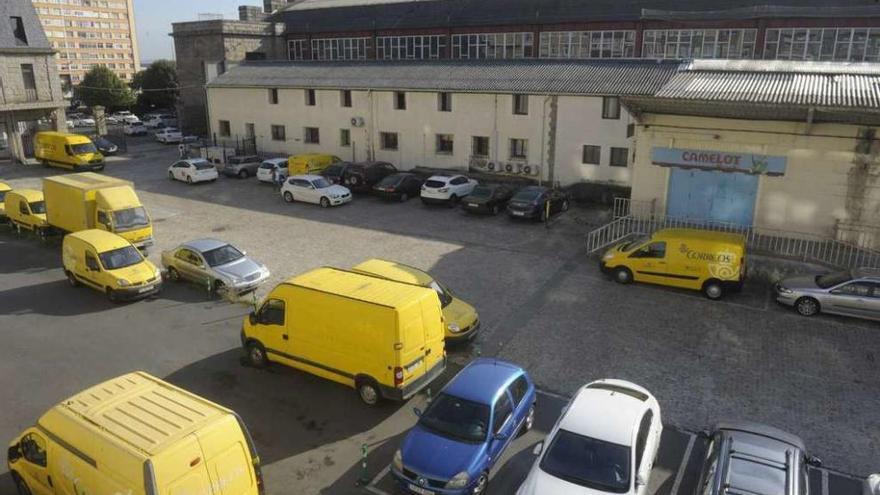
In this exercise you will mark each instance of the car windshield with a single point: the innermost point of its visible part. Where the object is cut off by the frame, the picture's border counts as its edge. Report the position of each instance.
(434, 183)
(130, 218)
(203, 165)
(588, 462)
(222, 255)
(3, 195)
(527, 196)
(321, 183)
(457, 418)
(482, 192)
(637, 241)
(120, 258)
(831, 279)
(79, 149)
(37, 207)
(391, 180)
(442, 293)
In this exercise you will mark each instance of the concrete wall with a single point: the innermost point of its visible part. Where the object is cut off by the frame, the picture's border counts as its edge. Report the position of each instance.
(831, 173)
(13, 93)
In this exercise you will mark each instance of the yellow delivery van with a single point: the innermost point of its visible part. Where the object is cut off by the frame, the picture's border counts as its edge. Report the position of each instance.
(310, 163)
(26, 210)
(4, 188)
(383, 338)
(73, 151)
(108, 263)
(461, 319)
(711, 262)
(137, 435)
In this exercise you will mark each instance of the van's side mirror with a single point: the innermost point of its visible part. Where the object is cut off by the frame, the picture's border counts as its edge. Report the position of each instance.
(417, 412)
(500, 436)
(14, 453)
(538, 448)
(252, 318)
(640, 480)
(814, 461)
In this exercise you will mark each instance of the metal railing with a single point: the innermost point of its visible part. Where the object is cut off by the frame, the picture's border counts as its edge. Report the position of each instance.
(623, 207)
(862, 235)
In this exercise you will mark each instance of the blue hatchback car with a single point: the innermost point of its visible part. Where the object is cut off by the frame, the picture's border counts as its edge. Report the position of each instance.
(465, 429)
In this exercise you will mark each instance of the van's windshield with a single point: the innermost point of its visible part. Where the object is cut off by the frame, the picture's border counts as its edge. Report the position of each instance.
(130, 218)
(37, 207)
(120, 258)
(636, 241)
(79, 149)
(442, 293)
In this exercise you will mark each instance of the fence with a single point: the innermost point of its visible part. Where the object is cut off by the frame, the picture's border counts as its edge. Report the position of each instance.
(246, 145)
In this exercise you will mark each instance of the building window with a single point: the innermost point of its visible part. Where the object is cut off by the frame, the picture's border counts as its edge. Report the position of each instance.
(444, 144)
(279, 133)
(344, 137)
(610, 107)
(444, 102)
(588, 44)
(310, 97)
(480, 146)
(699, 43)
(296, 49)
(340, 48)
(492, 45)
(312, 135)
(345, 98)
(840, 44)
(273, 96)
(225, 129)
(250, 130)
(18, 31)
(30, 82)
(519, 149)
(591, 155)
(619, 157)
(410, 47)
(399, 100)
(520, 104)
(388, 140)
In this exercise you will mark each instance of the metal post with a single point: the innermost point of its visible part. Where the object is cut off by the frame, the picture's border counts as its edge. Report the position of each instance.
(364, 479)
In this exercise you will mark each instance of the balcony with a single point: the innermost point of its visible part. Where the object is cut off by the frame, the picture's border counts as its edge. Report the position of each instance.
(30, 95)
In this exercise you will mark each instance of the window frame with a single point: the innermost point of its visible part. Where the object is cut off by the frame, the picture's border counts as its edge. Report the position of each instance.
(439, 139)
(344, 138)
(614, 112)
(519, 149)
(592, 148)
(474, 150)
(521, 382)
(625, 154)
(520, 104)
(383, 135)
(345, 98)
(279, 136)
(399, 100)
(264, 308)
(444, 101)
(308, 138)
(224, 128)
(311, 98)
(505, 399)
(273, 96)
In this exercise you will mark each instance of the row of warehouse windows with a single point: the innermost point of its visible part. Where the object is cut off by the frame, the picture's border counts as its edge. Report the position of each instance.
(856, 44)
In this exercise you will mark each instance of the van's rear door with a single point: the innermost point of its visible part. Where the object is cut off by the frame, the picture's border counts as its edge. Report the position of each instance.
(182, 470)
(412, 335)
(435, 331)
(227, 458)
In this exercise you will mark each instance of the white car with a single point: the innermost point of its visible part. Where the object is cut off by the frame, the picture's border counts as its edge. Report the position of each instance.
(169, 135)
(605, 442)
(193, 170)
(446, 189)
(130, 119)
(264, 173)
(84, 122)
(162, 120)
(314, 189)
(134, 129)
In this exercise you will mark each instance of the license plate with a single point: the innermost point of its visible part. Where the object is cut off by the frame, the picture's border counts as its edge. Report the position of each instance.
(519, 213)
(420, 490)
(473, 205)
(145, 289)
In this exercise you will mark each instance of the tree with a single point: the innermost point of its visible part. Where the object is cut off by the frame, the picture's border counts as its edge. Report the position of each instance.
(158, 85)
(100, 86)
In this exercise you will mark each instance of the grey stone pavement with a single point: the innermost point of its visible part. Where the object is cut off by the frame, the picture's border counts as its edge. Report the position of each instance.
(543, 303)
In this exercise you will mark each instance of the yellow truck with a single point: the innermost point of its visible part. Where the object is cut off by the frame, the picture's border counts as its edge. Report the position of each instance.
(310, 163)
(26, 210)
(136, 435)
(4, 188)
(381, 337)
(88, 200)
(73, 151)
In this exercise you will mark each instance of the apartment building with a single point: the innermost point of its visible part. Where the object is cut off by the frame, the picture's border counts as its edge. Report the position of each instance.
(88, 33)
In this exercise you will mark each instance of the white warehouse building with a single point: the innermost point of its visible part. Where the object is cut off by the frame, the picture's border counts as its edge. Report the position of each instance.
(555, 121)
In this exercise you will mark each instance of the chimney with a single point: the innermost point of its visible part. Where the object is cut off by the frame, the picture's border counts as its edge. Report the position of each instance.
(250, 13)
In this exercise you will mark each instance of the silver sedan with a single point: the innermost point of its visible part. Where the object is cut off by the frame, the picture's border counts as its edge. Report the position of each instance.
(850, 293)
(217, 265)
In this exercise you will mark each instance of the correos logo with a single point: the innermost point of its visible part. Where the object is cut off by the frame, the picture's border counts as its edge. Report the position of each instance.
(720, 264)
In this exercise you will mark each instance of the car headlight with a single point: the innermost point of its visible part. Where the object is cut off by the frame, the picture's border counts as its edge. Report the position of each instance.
(398, 460)
(607, 256)
(784, 290)
(123, 282)
(459, 481)
(452, 327)
(443, 189)
(157, 273)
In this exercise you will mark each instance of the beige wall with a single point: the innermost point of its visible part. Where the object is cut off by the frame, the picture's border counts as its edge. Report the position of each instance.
(825, 179)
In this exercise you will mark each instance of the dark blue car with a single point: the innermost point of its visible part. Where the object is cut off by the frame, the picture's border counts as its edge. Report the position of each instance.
(465, 429)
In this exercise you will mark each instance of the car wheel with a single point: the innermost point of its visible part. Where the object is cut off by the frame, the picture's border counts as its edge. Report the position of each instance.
(256, 355)
(71, 279)
(529, 422)
(622, 275)
(189, 179)
(403, 197)
(243, 174)
(20, 485)
(713, 290)
(173, 274)
(496, 210)
(218, 288)
(482, 484)
(368, 392)
(325, 203)
(288, 197)
(807, 306)
(565, 205)
(171, 175)
(453, 200)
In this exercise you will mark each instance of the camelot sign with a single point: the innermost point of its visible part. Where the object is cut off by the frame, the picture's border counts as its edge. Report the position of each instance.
(719, 160)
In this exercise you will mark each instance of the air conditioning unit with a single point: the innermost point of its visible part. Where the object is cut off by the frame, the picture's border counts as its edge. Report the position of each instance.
(357, 121)
(532, 170)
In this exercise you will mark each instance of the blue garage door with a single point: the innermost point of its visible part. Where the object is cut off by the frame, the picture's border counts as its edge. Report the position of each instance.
(709, 196)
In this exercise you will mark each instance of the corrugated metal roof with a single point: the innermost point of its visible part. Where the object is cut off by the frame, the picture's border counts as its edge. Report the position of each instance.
(581, 77)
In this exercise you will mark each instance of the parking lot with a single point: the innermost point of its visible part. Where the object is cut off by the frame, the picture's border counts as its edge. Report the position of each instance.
(542, 302)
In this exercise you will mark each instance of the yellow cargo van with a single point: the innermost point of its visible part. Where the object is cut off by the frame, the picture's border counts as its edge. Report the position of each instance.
(4, 188)
(26, 210)
(462, 321)
(310, 163)
(73, 151)
(712, 262)
(383, 338)
(110, 264)
(136, 435)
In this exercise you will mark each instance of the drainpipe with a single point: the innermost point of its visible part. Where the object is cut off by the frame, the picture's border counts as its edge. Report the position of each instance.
(551, 137)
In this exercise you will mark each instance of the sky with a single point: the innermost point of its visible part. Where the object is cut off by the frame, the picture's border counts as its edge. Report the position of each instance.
(153, 20)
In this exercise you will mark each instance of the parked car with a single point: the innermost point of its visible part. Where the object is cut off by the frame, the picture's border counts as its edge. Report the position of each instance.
(531, 202)
(398, 187)
(26, 210)
(169, 135)
(444, 189)
(70, 123)
(134, 129)
(314, 189)
(108, 263)
(4, 188)
(276, 165)
(161, 121)
(242, 166)
(130, 119)
(605, 442)
(850, 293)
(84, 121)
(122, 114)
(359, 177)
(746, 457)
(465, 430)
(105, 146)
(487, 199)
(111, 120)
(215, 264)
(310, 163)
(193, 170)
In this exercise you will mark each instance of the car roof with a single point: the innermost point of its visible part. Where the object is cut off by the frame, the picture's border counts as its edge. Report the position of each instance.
(394, 271)
(700, 235)
(444, 178)
(101, 239)
(193, 161)
(760, 458)
(275, 160)
(533, 189)
(606, 410)
(202, 245)
(29, 194)
(482, 379)
(309, 177)
(866, 273)
(761, 430)
(5, 187)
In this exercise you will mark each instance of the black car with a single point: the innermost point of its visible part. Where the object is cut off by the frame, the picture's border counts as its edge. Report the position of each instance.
(399, 187)
(105, 146)
(487, 199)
(359, 177)
(531, 202)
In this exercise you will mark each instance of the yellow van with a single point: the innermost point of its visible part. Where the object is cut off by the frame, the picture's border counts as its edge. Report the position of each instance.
(712, 262)
(26, 210)
(73, 151)
(108, 263)
(310, 163)
(383, 338)
(136, 435)
(4, 188)
(462, 321)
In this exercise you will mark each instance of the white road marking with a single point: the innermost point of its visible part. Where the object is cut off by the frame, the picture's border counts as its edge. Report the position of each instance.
(683, 466)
